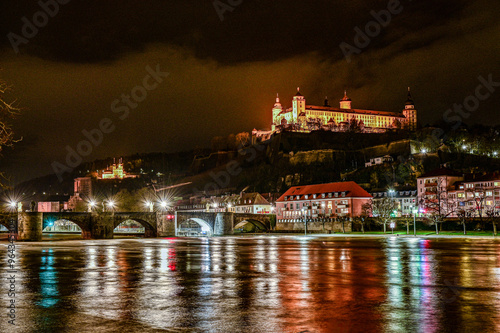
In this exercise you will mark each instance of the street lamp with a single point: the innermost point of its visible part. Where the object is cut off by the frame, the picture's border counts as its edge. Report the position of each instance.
(111, 204)
(92, 204)
(415, 211)
(13, 205)
(149, 205)
(305, 220)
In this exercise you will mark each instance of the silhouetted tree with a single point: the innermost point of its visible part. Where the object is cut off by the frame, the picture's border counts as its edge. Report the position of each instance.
(8, 111)
(382, 210)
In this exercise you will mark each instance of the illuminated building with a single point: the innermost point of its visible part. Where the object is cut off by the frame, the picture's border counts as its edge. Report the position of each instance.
(115, 172)
(457, 192)
(252, 203)
(321, 201)
(306, 118)
(406, 198)
(82, 187)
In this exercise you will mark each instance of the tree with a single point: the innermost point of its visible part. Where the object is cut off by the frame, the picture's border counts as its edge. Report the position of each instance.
(374, 182)
(382, 210)
(407, 221)
(464, 216)
(354, 126)
(366, 212)
(8, 111)
(343, 220)
(243, 139)
(437, 204)
(493, 217)
(477, 195)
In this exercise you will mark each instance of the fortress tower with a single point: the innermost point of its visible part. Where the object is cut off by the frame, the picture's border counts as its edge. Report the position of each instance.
(410, 113)
(298, 105)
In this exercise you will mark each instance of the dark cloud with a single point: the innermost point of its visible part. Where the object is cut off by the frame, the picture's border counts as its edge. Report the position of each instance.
(224, 75)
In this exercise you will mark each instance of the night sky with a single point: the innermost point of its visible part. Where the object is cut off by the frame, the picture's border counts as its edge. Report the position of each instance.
(224, 74)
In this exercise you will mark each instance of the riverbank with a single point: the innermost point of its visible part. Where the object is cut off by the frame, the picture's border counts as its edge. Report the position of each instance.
(420, 234)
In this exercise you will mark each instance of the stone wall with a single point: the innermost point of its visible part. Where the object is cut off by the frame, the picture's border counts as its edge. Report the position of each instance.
(316, 227)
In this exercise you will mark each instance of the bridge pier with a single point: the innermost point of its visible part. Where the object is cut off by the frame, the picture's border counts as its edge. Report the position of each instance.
(29, 226)
(102, 226)
(223, 224)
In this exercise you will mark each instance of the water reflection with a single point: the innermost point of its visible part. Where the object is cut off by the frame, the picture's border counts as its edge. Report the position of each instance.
(261, 284)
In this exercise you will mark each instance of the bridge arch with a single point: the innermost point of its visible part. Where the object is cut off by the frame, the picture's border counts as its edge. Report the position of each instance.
(256, 223)
(204, 225)
(149, 228)
(6, 218)
(50, 223)
(80, 219)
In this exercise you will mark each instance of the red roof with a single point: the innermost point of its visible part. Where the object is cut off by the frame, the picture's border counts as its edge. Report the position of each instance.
(352, 190)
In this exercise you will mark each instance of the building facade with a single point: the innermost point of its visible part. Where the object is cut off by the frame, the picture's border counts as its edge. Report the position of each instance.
(320, 202)
(252, 203)
(302, 117)
(405, 198)
(479, 196)
(433, 189)
(455, 193)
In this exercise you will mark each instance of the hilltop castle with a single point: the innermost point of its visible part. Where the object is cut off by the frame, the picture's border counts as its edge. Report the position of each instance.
(306, 118)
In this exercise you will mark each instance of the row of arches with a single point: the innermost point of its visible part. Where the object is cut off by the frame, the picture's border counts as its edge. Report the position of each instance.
(196, 227)
(192, 227)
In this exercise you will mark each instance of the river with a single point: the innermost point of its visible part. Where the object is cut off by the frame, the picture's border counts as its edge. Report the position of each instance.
(254, 284)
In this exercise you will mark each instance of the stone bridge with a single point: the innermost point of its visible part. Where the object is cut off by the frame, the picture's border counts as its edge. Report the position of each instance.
(222, 223)
(29, 226)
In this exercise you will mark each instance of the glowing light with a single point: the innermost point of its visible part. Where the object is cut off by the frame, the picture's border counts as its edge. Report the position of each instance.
(424, 151)
(13, 204)
(111, 204)
(464, 147)
(163, 204)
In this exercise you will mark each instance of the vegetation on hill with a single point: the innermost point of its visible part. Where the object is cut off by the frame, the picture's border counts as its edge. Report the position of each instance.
(290, 159)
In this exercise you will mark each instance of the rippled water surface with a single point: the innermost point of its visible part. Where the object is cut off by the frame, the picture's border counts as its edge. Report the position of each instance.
(255, 284)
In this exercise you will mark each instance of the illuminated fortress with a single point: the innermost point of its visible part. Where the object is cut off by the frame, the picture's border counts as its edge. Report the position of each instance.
(306, 118)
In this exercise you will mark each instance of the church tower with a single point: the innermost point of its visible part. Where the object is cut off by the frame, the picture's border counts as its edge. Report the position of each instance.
(345, 102)
(410, 113)
(277, 109)
(298, 106)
